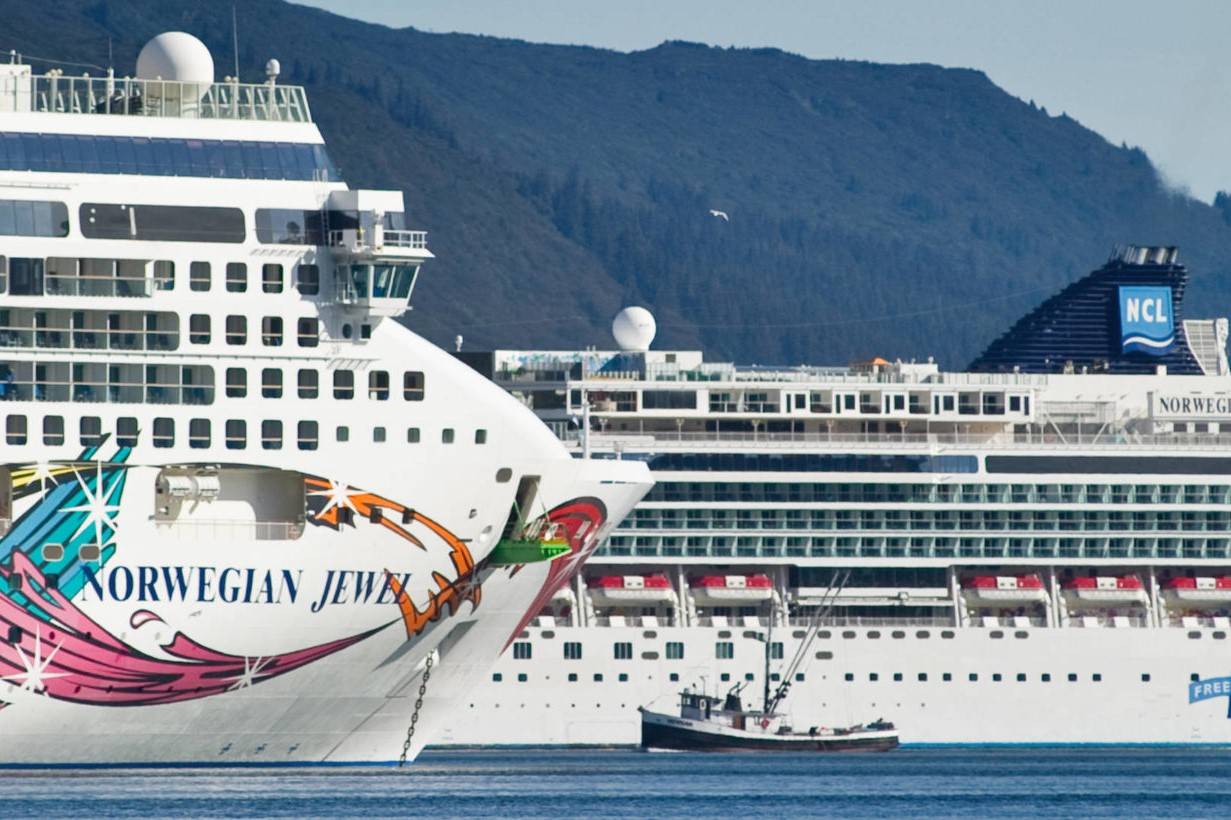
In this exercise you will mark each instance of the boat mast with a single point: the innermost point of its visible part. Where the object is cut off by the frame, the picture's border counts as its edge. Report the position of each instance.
(769, 635)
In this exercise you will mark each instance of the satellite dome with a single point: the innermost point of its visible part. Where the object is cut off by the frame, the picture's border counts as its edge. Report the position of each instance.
(176, 55)
(634, 329)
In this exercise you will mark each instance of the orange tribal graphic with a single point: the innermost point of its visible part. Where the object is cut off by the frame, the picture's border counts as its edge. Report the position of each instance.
(335, 505)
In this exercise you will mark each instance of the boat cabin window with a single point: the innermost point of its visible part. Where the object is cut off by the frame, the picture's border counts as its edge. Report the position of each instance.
(236, 434)
(164, 432)
(198, 434)
(53, 430)
(271, 435)
(309, 384)
(412, 385)
(28, 217)
(161, 223)
(15, 430)
(237, 330)
(622, 650)
(271, 383)
(308, 331)
(237, 383)
(343, 384)
(199, 276)
(271, 331)
(237, 277)
(271, 278)
(308, 279)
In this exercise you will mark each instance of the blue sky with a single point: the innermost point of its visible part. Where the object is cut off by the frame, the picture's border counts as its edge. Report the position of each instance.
(1153, 74)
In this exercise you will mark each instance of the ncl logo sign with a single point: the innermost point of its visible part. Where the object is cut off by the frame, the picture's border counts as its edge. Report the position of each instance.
(1146, 322)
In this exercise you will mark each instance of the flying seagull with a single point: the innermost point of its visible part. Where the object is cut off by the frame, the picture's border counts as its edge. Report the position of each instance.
(720, 214)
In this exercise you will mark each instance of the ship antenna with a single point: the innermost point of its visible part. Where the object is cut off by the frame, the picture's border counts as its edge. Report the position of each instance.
(235, 39)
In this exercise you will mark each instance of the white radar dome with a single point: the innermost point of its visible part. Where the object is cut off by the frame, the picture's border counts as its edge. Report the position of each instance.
(634, 329)
(176, 55)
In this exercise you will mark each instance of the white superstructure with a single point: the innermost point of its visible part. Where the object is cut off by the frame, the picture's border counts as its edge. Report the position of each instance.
(240, 504)
(1039, 549)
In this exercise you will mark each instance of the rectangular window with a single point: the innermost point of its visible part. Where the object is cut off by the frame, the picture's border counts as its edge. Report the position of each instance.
(480, 436)
(126, 431)
(271, 331)
(199, 276)
(412, 385)
(675, 650)
(161, 223)
(308, 331)
(378, 385)
(308, 280)
(198, 434)
(412, 435)
(342, 434)
(623, 650)
(343, 384)
(237, 383)
(237, 330)
(271, 383)
(15, 430)
(521, 650)
(309, 435)
(379, 435)
(91, 429)
(271, 278)
(271, 435)
(24, 217)
(309, 384)
(53, 430)
(724, 650)
(572, 650)
(287, 226)
(446, 435)
(164, 432)
(198, 328)
(237, 277)
(237, 434)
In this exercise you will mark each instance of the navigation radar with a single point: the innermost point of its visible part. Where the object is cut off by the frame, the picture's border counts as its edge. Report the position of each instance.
(178, 56)
(634, 329)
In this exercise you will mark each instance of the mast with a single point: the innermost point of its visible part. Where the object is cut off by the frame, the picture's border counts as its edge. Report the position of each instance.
(769, 635)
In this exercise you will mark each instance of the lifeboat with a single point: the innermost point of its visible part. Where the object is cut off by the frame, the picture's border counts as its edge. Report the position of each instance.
(1004, 589)
(727, 589)
(616, 590)
(1198, 590)
(1105, 589)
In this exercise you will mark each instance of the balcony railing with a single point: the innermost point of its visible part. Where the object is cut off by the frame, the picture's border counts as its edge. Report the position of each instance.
(57, 93)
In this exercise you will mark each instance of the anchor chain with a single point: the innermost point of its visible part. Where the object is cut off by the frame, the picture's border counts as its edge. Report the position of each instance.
(414, 717)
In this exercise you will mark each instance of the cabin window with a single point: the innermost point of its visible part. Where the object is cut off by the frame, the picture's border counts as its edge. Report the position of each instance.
(308, 331)
(271, 331)
(236, 434)
(309, 384)
(126, 431)
(91, 431)
(675, 650)
(15, 430)
(342, 433)
(271, 435)
(446, 435)
(237, 330)
(522, 650)
(198, 434)
(480, 436)
(199, 276)
(308, 280)
(237, 277)
(161, 223)
(623, 650)
(378, 385)
(724, 650)
(1073, 677)
(412, 385)
(164, 432)
(198, 328)
(343, 384)
(412, 435)
(572, 650)
(53, 430)
(271, 383)
(309, 435)
(237, 383)
(1097, 677)
(271, 278)
(23, 217)
(379, 435)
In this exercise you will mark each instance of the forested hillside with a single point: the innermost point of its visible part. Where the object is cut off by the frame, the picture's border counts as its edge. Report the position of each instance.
(891, 210)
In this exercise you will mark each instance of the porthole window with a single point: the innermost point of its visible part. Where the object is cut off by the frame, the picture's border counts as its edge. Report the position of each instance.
(897, 677)
(995, 634)
(873, 634)
(923, 634)
(973, 677)
(824, 655)
(1021, 677)
(503, 475)
(874, 676)
(1097, 677)
(946, 634)
(236, 434)
(848, 634)
(1145, 677)
(897, 633)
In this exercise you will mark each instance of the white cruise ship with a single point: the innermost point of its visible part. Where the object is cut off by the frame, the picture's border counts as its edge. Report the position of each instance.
(243, 509)
(1038, 548)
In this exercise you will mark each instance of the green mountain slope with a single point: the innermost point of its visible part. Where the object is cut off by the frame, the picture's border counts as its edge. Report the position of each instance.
(893, 210)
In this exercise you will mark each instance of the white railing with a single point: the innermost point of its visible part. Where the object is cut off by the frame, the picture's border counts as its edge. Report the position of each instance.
(217, 529)
(58, 93)
(406, 239)
(669, 440)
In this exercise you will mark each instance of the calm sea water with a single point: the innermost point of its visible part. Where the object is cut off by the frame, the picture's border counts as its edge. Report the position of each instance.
(911, 783)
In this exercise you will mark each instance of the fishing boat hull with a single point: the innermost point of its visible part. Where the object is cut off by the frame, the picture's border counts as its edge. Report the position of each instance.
(659, 731)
